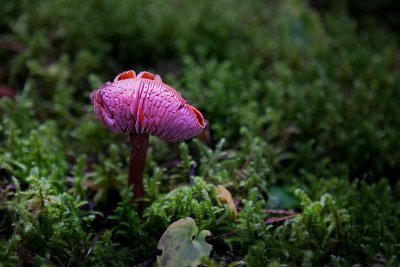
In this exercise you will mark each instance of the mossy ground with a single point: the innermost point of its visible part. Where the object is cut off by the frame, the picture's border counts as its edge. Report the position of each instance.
(303, 112)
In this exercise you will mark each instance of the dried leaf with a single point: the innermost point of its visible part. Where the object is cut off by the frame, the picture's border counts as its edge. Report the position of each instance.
(226, 197)
(180, 247)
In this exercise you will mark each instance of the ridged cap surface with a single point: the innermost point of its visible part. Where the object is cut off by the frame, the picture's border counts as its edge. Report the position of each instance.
(146, 106)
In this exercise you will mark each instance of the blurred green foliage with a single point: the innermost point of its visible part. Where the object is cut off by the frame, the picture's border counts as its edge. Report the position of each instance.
(303, 113)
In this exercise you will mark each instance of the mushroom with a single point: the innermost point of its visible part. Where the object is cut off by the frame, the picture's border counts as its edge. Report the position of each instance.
(142, 105)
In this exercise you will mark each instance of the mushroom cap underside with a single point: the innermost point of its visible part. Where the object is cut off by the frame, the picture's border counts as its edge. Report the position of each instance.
(144, 106)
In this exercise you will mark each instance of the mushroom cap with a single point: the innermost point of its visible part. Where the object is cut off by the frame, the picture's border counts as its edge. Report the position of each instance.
(145, 105)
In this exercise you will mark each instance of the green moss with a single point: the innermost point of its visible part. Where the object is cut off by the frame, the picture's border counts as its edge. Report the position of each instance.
(302, 109)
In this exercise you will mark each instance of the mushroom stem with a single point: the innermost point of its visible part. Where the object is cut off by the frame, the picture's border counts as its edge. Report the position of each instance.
(137, 160)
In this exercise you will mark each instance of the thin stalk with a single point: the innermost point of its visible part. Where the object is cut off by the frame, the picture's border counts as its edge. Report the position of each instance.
(137, 160)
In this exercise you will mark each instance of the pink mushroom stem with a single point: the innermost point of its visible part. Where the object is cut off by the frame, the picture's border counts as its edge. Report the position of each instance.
(137, 160)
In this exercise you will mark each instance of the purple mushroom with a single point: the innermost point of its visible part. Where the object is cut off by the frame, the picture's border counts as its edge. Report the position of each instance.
(142, 105)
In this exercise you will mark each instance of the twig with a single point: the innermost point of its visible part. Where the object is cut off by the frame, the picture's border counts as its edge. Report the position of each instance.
(286, 212)
(275, 220)
(12, 46)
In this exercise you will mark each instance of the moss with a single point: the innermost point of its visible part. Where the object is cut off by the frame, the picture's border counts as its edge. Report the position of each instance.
(302, 108)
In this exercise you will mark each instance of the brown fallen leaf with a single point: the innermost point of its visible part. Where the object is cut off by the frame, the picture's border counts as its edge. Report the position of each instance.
(226, 197)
